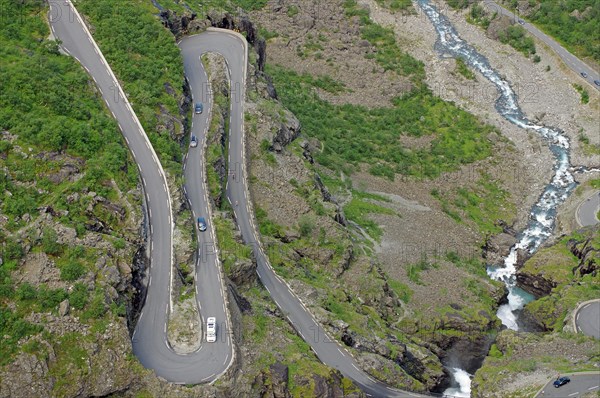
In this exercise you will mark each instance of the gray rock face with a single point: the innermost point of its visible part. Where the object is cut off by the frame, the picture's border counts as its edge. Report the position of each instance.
(273, 383)
(535, 284)
(288, 131)
(588, 255)
(325, 194)
(497, 247)
(26, 377)
(325, 388)
(243, 272)
(181, 25)
(279, 375)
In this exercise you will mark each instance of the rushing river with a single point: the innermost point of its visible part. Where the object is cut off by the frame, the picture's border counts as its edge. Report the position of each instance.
(462, 379)
(542, 217)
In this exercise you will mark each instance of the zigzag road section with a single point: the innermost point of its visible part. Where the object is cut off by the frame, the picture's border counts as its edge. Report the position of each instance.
(233, 48)
(150, 343)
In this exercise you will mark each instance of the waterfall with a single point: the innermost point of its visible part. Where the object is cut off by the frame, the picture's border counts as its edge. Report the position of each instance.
(462, 384)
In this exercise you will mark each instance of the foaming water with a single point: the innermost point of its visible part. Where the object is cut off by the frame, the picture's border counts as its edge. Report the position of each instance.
(463, 381)
(543, 214)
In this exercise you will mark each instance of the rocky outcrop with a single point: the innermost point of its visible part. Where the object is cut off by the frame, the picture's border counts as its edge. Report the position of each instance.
(273, 383)
(535, 284)
(551, 266)
(419, 363)
(498, 25)
(141, 263)
(26, 370)
(497, 247)
(587, 253)
(339, 215)
(182, 25)
(242, 272)
(102, 368)
(289, 130)
(324, 387)
(325, 194)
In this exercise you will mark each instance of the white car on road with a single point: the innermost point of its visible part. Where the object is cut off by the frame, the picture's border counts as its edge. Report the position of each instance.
(211, 329)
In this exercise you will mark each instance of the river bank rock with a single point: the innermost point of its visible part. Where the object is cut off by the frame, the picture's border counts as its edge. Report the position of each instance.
(497, 247)
(563, 274)
(571, 257)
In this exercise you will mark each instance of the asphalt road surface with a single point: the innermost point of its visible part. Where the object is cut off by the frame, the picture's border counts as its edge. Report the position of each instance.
(150, 339)
(569, 59)
(579, 385)
(587, 210)
(587, 319)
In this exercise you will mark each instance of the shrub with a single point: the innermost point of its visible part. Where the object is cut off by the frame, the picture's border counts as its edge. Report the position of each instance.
(495, 352)
(464, 70)
(516, 36)
(307, 225)
(21, 201)
(79, 296)
(26, 292)
(585, 96)
(97, 307)
(50, 244)
(50, 298)
(72, 271)
(13, 328)
(12, 250)
(119, 243)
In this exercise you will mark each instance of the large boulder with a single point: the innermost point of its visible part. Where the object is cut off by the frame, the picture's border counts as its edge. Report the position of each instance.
(289, 130)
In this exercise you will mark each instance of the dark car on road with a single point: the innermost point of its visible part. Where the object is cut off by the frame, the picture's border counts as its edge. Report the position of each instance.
(201, 224)
(198, 108)
(583, 74)
(561, 381)
(521, 22)
(597, 82)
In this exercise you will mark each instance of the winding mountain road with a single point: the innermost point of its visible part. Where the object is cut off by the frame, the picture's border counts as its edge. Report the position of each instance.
(574, 63)
(234, 49)
(150, 342)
